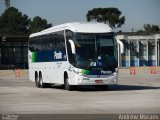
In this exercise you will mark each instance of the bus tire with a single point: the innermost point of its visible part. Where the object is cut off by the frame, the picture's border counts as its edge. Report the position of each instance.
(37, 80)
(67, 86)
(41, 84)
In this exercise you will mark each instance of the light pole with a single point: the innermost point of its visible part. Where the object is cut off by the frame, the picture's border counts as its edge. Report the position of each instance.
(7, 3)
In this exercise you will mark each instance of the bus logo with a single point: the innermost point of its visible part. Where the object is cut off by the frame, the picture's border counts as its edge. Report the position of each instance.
(57, 55)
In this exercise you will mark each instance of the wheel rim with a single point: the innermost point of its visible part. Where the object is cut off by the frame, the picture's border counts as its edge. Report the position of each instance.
(41, 81)
(37, 81)
(66, 84)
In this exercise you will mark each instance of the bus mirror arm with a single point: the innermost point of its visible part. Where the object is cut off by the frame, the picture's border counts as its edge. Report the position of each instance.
(72, 47)
(121, 46)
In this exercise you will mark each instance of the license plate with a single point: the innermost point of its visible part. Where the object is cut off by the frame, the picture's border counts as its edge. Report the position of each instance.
(98, 81)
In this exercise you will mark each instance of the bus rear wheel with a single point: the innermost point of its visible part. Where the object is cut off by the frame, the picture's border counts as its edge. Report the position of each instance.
(37, 80)
(41, 83)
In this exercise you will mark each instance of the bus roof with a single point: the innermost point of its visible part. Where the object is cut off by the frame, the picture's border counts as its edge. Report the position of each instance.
(81, 27)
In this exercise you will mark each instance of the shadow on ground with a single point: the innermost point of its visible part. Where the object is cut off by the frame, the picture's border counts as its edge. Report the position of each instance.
(110, 88)
(130, 87)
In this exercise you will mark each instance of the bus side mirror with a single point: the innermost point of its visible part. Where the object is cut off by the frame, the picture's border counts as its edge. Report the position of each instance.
(121, 46)
(72, 46)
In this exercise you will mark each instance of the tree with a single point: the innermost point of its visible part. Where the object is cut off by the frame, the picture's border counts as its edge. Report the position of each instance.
(12, 21)
(38, 24)
(110, 15)
(151, 28)
(140, 31)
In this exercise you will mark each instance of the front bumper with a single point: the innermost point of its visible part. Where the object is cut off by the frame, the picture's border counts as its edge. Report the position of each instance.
(96, 80)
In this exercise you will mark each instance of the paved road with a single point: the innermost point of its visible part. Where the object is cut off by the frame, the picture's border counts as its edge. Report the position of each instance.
(134, 94)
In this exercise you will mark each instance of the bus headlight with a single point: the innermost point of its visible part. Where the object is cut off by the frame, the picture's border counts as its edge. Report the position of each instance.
(80, 74)
(114, 73)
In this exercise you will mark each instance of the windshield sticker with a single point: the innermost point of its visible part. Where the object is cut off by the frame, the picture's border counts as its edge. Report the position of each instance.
(92, 63)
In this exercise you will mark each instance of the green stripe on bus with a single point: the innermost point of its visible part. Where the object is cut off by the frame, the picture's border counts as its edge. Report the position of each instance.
(85, 72)
(34, 54)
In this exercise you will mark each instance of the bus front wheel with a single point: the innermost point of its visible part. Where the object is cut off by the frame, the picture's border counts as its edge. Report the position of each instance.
(67, 86)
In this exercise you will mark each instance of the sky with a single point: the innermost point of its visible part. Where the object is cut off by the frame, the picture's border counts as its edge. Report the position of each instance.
(136, 12)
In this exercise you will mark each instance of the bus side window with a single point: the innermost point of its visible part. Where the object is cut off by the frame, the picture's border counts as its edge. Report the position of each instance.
(35, 44)
(41, 41)
(56, 42)
(47, 42)
(38, 44)
(51, 45)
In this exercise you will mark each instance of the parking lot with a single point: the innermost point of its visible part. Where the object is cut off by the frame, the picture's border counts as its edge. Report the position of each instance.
(135, 94)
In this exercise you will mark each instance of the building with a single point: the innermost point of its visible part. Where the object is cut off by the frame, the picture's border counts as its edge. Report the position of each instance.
(13, 52)
(140, 49)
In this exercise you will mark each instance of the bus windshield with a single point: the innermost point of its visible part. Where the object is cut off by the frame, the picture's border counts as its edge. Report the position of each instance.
(98, 51)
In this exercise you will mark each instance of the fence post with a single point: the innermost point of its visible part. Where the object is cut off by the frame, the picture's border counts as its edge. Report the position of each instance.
(153, 70)
(132, 71)
(17, 72)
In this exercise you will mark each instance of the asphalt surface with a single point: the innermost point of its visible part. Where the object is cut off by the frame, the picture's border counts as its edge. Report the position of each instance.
(136, 94)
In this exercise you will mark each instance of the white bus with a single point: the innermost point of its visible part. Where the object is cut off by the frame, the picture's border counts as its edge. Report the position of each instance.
(74, 54)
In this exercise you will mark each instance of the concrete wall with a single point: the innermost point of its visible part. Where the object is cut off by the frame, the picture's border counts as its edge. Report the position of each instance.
(140, 49)
(11, 74)
(24, 73)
